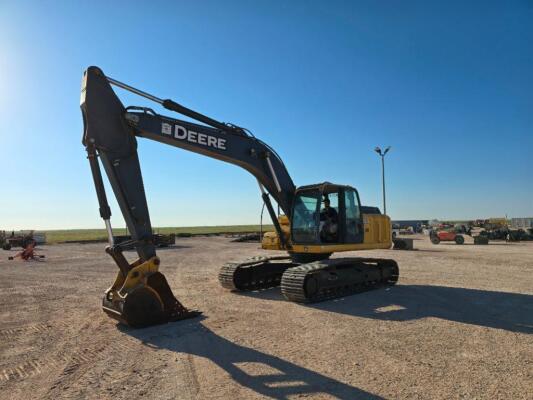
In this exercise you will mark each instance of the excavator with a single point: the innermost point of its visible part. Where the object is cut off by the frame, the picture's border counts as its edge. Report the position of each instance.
(316, 221)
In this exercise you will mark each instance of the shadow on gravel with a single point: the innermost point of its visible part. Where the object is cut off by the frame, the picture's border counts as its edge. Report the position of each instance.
(169, 248)
(500, 310)
(277, 378)
(428, 250)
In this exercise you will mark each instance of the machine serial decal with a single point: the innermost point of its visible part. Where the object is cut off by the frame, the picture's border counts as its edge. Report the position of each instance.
(203, 139)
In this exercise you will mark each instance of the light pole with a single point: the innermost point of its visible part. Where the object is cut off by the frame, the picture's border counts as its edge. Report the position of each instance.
(382, 155)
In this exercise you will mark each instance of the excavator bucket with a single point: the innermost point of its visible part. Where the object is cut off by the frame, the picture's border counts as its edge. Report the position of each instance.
(144, 298)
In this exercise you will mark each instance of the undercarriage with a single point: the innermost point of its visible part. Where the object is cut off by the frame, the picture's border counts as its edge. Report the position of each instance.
(310, 282)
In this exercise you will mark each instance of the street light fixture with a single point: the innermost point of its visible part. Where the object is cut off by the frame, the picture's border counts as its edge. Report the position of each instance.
(382, 155)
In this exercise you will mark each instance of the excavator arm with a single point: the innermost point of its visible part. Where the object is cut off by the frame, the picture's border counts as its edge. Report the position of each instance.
(140, 295)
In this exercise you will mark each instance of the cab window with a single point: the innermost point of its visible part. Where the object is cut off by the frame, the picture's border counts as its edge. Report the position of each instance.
(353, 224)
(305, 219)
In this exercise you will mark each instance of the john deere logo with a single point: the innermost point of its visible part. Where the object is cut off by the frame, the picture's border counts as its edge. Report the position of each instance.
(203, 139)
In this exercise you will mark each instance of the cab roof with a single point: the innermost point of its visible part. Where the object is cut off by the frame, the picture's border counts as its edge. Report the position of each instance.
(324, 187)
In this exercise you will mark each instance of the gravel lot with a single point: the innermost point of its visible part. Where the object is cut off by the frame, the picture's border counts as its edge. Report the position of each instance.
(459, 324)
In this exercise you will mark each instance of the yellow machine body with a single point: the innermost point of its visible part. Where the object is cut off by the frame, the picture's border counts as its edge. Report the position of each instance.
(378, 235)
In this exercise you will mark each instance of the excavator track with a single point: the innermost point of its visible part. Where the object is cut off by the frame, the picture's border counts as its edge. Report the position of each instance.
(255, 273)
(333, 278)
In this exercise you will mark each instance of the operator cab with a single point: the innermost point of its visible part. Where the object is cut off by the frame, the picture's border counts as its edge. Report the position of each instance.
(327, 214)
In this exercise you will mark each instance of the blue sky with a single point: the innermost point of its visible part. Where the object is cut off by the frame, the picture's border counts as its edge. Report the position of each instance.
(449, 85)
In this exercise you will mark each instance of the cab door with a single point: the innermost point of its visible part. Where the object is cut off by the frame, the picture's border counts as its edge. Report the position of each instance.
(352, 220)
(305, 220)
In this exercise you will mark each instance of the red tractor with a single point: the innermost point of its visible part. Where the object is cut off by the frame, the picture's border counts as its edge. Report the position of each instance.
(444, 236)
(21, 239)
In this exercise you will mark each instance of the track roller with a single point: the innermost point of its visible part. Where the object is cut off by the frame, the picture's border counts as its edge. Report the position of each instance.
(255, 273)
(329, 279)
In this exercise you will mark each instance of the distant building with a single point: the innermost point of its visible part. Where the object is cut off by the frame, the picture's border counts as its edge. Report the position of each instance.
(523, 223)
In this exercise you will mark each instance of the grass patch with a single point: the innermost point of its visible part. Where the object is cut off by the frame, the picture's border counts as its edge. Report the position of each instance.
(66, 235)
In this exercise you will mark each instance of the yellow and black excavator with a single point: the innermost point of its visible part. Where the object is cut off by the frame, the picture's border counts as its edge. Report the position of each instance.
(317, 220)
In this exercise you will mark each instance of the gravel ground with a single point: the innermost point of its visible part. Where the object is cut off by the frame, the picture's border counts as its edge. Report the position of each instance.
(459, 324)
